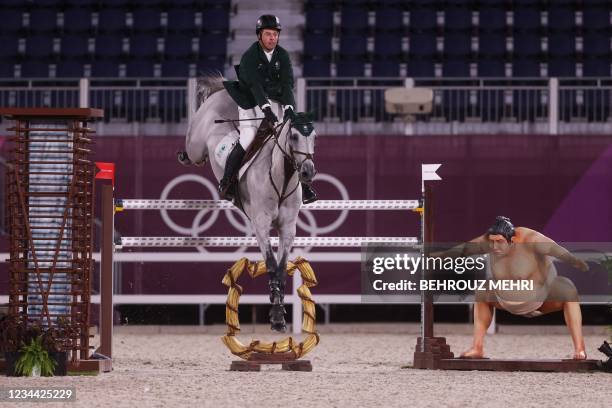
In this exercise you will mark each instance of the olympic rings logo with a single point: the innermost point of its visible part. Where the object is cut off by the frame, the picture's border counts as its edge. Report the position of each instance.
(201, 223)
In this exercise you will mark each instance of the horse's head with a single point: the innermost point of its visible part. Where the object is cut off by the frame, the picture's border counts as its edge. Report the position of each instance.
(301, 142)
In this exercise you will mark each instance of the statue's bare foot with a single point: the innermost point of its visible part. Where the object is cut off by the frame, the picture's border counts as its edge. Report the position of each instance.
(473, 353)
(580, 355)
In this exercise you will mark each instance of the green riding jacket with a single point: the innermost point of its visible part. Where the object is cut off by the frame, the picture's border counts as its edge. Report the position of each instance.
(260, 80)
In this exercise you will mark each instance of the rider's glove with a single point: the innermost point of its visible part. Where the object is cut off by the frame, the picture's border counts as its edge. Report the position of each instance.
(270, 116)
(289, 114)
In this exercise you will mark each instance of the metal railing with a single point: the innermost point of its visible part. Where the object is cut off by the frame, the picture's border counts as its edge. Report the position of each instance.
(552, 105)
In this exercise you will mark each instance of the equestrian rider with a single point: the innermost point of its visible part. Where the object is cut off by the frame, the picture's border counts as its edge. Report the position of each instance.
(264, 89)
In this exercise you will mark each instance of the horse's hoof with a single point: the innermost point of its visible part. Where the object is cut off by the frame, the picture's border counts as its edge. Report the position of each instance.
(183, 158)
(278, 327)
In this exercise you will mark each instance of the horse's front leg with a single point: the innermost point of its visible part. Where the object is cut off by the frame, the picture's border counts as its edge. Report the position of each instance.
(262, 224)
(286, 235)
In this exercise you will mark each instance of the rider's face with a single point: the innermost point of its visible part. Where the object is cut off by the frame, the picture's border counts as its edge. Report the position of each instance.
(268, 39)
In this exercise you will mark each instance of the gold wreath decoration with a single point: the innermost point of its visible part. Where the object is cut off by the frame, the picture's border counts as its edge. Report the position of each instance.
(286, 345)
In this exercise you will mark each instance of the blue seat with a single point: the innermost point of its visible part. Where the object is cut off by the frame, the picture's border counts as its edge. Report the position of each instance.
(11, 20)
(492, 19)
(423, 20)
(7, 69)
(492, 45)
(143, 46)
(387, 45)
(215, 20)
(213, 45)
(317, 67)
(105, 69)
(39, 46)
(561, 18)
(385, 68)
(88, 4)
(181, 20)
(178, 46)
(317, 44)
(9, 49)
(139, 68)
(354, 20)
(561, 67)
(457, 45)
(43, 20)
(74, 46)
(421, 68)
(328, 4)
(108, 46)
(349, 68)
(175, 69)
(458, 68)
(69, 69)
(491, 68)
(596, 67)
(527, 44)
(77, 21)
(596, 44)
(457, 18)
(319, 21)
(422, 45)
(527, 19)
(526, 67)
(112, 20)
(353, 46)
(596, 19)
(561, 45)
(146, 20)
(34, 69)
(389, 19)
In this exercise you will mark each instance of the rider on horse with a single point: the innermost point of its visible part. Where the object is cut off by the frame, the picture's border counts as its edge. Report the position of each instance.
(265, 82)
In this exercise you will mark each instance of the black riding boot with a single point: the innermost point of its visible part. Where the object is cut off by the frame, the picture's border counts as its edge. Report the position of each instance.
(308, 194)
(226, 185)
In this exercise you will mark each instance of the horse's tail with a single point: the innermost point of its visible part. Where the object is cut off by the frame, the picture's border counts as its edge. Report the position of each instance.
(207, 85)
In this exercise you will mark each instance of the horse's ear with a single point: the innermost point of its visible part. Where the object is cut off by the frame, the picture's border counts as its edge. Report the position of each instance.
(310, 116)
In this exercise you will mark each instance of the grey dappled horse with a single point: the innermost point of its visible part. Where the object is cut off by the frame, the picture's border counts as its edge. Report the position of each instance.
(269, 198)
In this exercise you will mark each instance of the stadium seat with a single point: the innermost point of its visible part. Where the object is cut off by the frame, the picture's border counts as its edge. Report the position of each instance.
(458, 19)
(561, 67)
(422, 45)
(105, 69)
(143, 46)
(492, 19)
(70, 69)
(561, 18)
(596, 44)
(316, 67)
(596, 67)
(215, 20)
(213, 45)
(561, 45)
(457, 45)
(354, 20)
(39, 46)
(74, 46)
(421, 68)
(527, 19)
(491, 68)
(492, 45)
(317, 45)
(389, 19)
(526, 67)
(178, 46)
(319, 21)
(7, 69)
(34, 69)
(596, 20)
(9, 49)
(385, 68)
(455, 68)
(181, 21)
(43, 20)
(527, 44)
(146, 20)
(112, 20)
(108, 46)
(353, 46)
(387, 45)
(139, 68)
(423, 20)
(175, 69)
(77, 21)
(12, 20)
(350, 68)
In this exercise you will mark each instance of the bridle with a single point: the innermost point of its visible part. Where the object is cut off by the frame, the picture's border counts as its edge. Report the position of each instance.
(289, 158)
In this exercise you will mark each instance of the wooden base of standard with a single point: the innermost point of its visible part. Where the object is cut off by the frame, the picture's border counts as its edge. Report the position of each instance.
(287, 361)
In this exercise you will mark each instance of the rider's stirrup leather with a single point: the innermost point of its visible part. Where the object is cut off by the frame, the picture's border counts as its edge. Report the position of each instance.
(226, 185)
(308, 194)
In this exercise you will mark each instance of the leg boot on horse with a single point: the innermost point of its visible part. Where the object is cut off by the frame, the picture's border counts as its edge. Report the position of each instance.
(308, 194)
(277, 298)
(227, 183)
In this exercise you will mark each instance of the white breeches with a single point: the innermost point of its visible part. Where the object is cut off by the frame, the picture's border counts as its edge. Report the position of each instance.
(248, 128)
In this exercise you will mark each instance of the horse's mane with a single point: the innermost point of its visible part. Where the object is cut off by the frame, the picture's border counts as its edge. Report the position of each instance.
(207, 85)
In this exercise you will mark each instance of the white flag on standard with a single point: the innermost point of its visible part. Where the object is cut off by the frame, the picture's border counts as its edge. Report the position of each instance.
(428, 173)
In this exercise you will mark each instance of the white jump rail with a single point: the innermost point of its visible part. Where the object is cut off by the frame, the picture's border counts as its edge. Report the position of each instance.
(131, 204)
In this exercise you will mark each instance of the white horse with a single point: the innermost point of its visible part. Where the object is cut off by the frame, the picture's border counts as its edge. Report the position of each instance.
(270, 196)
